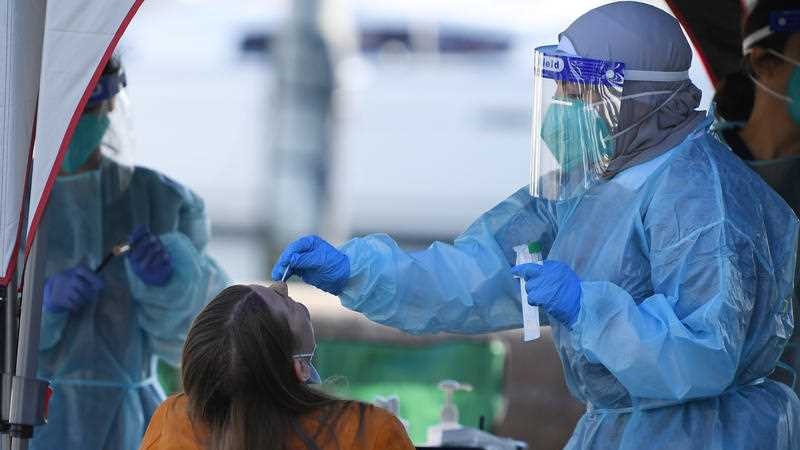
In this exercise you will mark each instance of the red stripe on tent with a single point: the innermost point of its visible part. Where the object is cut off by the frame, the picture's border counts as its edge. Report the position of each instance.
(12, 264)
(37, 217)
(703, 58)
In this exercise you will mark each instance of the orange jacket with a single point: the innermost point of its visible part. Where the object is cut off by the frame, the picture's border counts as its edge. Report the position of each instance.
(170, 429)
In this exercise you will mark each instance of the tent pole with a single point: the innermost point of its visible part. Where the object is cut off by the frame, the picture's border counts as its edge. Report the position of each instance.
(27, 393)
(9, 359)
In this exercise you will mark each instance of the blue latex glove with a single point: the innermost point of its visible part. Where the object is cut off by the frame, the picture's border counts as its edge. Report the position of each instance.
(319, 264)
(71, 289)
(149, 258)
(555, 287)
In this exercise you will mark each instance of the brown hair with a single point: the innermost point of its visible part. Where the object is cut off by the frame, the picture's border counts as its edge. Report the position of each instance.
(736, 94)
(239, 378)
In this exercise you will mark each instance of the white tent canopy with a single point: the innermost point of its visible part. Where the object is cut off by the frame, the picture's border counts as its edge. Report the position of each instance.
(54, 54)
(21, 58)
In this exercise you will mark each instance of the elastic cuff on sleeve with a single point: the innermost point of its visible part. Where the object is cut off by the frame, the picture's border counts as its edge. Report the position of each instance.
(353, 287)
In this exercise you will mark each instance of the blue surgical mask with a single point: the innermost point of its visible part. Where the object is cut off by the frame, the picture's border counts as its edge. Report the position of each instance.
(313, 377)
(86, 139)
(573, 131)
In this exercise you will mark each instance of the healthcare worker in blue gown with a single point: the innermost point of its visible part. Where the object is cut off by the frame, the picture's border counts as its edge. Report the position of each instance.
(102, 331)
(759, 112)
(668, 275)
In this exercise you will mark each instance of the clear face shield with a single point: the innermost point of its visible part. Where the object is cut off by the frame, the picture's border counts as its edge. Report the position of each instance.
(103, 136)
(110, 101)
(576, 104)
(117, 143)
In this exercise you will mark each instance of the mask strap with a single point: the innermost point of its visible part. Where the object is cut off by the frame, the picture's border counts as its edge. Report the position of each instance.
(625, 97)
(648, 115)
(770, 91)
(646, 94)
(303, 356)
(780, 55)
(766, 88)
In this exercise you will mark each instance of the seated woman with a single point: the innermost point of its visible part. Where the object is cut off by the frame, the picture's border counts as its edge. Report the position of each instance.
(246, 375)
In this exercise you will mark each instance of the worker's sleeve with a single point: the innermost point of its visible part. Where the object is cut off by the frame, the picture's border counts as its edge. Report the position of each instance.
(52, 327)
(466, 287)
(685, 340)
(166, 312)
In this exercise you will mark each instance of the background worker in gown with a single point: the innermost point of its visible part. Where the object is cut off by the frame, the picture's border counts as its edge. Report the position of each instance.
(102, 331)
(759, 108)
(669, 270)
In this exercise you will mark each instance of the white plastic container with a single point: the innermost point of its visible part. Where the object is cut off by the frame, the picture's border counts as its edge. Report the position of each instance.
(449, 414)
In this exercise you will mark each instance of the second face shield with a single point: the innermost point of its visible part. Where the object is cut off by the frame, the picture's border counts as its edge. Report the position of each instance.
(576, 103)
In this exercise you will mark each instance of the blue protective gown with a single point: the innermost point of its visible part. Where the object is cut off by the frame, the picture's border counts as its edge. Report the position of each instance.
(100, 360)
(782, 175)
(687, 264)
